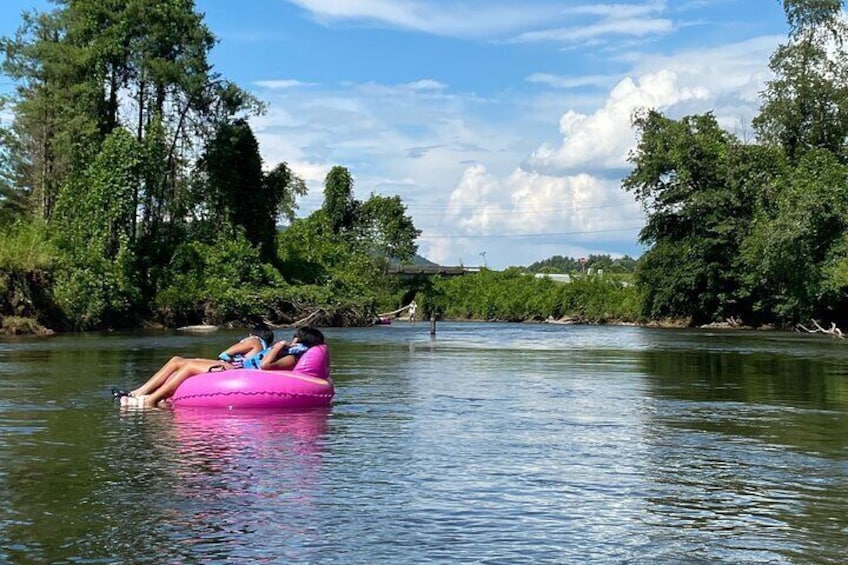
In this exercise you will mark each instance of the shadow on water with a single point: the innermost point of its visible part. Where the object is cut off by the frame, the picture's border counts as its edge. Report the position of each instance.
(747, 440)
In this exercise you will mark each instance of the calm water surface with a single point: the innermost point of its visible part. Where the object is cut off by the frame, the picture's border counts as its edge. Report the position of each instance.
(490, 443)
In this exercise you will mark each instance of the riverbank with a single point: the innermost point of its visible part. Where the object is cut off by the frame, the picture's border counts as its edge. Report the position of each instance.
(16, 325)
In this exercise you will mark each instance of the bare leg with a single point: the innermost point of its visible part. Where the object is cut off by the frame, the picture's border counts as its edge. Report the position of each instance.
(160, 376)
(190, 368)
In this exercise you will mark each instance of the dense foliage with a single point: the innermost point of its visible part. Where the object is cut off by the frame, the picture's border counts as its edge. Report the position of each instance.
(606, 263)
(132, 189)
(515, 295)
(133, 166)
(754, 232)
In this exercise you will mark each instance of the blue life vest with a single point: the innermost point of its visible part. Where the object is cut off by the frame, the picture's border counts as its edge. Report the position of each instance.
(255, 360)
(240, 361)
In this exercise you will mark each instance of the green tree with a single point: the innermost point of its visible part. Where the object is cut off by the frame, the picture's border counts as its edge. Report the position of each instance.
(387, 229)
(339, 204)
(54, 123)
(806, 105)
(555, 264)
(698, 186)
(99, 282)
(796, 254)
(238, 194)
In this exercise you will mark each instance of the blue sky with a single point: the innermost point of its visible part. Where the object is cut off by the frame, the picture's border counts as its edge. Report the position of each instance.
(503, 125)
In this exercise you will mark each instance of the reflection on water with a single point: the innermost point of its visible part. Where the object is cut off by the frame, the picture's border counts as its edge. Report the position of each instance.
(216, 476)
(491, 443)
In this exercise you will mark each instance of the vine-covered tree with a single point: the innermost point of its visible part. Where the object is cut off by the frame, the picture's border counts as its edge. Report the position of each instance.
(240, 195)
(99, 282)
(339, 203)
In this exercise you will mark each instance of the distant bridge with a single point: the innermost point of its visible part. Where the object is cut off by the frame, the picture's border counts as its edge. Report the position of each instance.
(429, 270)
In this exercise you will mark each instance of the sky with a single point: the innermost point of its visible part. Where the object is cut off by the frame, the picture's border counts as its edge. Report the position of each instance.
(504, 125)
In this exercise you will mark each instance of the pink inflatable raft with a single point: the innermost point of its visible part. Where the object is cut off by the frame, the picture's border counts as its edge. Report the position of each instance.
(307, 385)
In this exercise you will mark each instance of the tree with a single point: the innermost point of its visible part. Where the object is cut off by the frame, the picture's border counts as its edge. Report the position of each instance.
(698, 186)
(238, 194)
(53, 125)
(99, 282)
(796, 254)
(806, 105)
(282, 187)
(379, 226)
(339, 204)
(88, 67)
(389, 231)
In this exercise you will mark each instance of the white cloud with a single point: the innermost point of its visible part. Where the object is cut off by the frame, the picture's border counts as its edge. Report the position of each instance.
(603, 139)
(571, 82)
(413, 139)
(488, 19)
(620, 11)
(575, 34)
(282, 84)
(468, 19)
(573, 188)
(595, 22)
(475, 173)
(426, 84)
(528, 202)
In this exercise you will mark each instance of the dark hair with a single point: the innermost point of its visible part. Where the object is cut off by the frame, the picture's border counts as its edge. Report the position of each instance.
(309, 336)
(264, 333)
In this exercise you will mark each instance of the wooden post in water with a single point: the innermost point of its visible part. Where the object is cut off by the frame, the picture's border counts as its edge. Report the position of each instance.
(432, 323)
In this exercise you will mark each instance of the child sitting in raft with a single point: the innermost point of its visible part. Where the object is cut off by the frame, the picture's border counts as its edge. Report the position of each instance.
(249, 353)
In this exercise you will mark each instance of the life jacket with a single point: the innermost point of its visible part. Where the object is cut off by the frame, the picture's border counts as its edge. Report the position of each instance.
(255, 360)
(238, 361)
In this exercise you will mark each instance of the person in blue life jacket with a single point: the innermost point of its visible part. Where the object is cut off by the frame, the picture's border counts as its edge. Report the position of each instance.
(284, 355)
(165, 381)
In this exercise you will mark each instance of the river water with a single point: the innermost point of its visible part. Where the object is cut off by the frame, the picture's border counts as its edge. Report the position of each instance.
(489, 443)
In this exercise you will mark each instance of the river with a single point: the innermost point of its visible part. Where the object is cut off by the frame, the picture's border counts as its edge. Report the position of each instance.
(488, 443)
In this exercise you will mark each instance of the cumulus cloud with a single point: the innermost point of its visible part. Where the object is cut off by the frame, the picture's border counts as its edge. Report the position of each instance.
(474, 171)
(603, 139)
(573, 188)
(532, 203)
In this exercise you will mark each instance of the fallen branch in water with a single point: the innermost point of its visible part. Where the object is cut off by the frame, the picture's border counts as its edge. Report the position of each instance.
(297, 323)
(834, 331)
(394, 312)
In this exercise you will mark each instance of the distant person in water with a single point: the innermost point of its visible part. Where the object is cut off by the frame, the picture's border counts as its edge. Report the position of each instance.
(252, 352)
(413, 309)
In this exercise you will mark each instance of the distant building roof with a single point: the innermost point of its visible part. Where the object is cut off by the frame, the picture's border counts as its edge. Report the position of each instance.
(558, 277)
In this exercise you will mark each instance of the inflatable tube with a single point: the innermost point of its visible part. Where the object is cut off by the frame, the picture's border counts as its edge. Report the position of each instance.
(306, 386)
